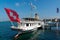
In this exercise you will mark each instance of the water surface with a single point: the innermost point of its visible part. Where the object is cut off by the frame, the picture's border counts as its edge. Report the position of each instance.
(7, 34)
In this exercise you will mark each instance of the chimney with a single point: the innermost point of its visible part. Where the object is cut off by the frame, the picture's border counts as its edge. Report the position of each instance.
(36, 16)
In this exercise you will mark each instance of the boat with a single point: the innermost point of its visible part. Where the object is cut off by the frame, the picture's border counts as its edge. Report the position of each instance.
(29, 24)
(25, 24)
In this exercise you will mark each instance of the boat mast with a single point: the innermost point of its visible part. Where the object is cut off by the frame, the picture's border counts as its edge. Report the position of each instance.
(31, 5)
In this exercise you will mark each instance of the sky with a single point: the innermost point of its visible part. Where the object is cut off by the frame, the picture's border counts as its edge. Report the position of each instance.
(27, 8)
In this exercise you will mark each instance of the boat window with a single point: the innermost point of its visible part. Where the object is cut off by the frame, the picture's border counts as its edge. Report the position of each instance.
(27, 24)
(38, 23)
(21, 23)
(30, 24)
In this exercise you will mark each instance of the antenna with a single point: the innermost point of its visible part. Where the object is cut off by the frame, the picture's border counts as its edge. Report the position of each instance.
(32, 7)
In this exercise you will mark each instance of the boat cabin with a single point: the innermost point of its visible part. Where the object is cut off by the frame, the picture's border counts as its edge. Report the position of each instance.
(30, 22)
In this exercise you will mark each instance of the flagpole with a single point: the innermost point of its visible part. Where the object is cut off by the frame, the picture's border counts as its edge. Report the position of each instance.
(57, 19)
(11, 22)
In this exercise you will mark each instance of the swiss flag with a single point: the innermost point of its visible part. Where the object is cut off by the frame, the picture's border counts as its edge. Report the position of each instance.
(12, 15)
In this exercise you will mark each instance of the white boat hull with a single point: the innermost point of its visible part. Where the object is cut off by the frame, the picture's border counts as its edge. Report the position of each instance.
(24, 28)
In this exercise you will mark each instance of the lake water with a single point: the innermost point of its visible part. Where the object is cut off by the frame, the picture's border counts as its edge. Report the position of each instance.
(7, 34)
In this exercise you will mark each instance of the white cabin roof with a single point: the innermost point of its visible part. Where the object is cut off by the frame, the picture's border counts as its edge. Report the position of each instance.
(31, 21)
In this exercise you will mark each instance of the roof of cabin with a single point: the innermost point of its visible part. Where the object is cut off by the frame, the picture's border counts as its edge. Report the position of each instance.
(31, 19)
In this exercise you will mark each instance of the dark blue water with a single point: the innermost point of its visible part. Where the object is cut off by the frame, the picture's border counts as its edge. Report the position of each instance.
(7, 34)
(5, 31)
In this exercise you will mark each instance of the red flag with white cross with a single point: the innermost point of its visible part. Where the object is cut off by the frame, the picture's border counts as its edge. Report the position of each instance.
(12, 15)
